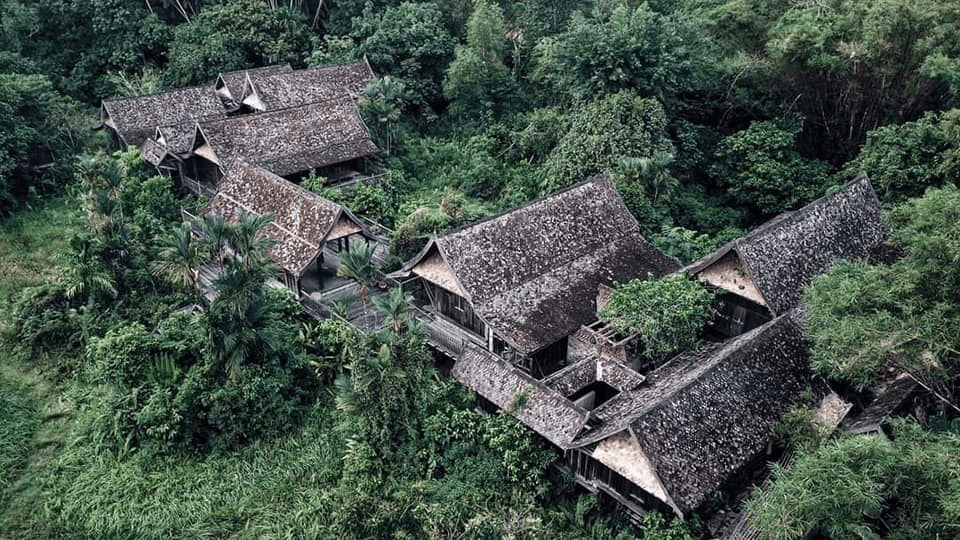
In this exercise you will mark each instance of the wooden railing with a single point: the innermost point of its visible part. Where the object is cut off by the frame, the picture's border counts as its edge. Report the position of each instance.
(198, 187)
(448, 342)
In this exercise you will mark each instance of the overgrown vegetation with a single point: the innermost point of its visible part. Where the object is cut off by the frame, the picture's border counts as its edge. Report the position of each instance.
(164, 414)
(668, 313)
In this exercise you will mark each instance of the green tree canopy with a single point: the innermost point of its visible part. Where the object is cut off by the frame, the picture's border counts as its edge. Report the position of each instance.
(763, 170)
(237, 34)
(864, 319)
(903, 160)
(623, 48)
(478, 81)
(599, 133)
(39, 131)
(408, 42)
(866, 487)
(668, 312)
(848, 66)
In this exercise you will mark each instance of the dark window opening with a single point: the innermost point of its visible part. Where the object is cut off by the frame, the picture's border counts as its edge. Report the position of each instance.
(593, 395)
(550, 359)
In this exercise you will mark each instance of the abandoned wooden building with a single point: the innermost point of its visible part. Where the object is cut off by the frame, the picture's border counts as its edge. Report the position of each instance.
(763, 273)
(519, 283)
(328, 138)
(671, 434)
(665, 439)
(311, 123)
(309, 230)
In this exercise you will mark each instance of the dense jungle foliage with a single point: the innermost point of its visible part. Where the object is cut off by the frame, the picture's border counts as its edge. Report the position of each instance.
(131, 406)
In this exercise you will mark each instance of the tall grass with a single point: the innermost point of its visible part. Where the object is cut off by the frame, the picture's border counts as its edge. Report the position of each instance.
(30, 243)
(273, 489)
(18, 421)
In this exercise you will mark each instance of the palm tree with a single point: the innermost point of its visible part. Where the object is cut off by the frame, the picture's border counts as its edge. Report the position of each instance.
(358, 265)
(103, 178)
(85, 275)
(180, 258)
(381, 105)
(241, 319)
(652, 172)
(216, 231)
(247, 241)
(395, 306)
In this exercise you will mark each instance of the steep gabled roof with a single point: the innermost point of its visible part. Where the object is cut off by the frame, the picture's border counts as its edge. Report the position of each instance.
(533, 273)
(176, 138)
(543, 409)
(290, 141)
(783, 255)
(717, 417)
(274, 91)
(302, 221)
(136, 119)
(230, 84)
(153, 152)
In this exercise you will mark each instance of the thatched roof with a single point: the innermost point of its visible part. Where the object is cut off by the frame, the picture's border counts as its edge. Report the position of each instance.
(543, 409)
(290, 141)
(717, 417)
(782, 256)
(136, 119)
(230, 84)
(274, 91)
(302, 221)
(532, 273)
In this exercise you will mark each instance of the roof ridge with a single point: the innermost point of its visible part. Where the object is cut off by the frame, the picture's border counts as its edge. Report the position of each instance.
(590, 180)
(237, 118)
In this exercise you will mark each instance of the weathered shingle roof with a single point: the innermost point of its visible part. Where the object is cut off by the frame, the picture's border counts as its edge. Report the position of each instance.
(717, 416)
(302, 220)
(533, 273)
(136, 119)
(699, 419)
(543, 409)
(274, 91)
(783, 255)
(231, 83)
(291, 141)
